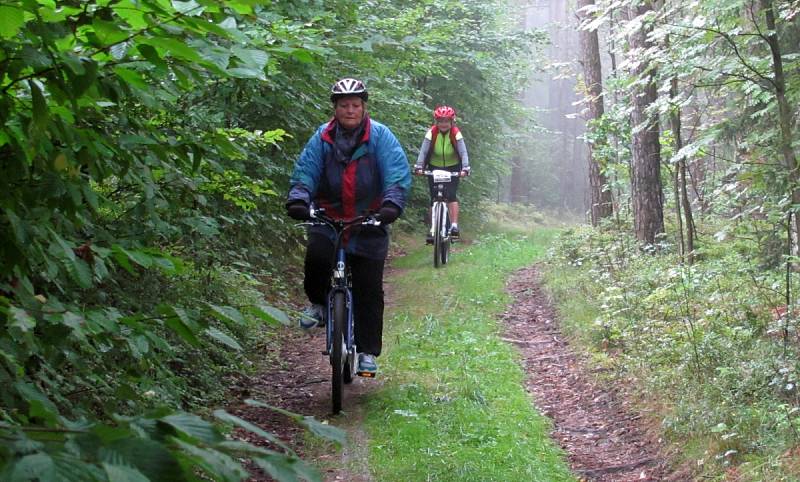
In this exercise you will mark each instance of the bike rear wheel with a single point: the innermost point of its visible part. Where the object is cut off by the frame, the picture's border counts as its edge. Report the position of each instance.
(337, 351)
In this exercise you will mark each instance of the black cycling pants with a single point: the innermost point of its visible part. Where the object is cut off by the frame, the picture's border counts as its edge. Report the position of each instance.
(450, 188)
(367, 276)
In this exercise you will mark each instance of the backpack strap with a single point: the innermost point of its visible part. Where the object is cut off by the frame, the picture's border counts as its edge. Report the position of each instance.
(434, 133)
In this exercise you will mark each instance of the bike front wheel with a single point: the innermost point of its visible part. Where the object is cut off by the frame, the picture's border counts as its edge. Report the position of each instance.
(438, 220)
(338, 351)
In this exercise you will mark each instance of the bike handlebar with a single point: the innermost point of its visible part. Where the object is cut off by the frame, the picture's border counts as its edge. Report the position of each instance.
(318, 217)
(441, 172)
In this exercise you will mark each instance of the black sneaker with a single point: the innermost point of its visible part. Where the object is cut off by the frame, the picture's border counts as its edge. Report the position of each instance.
(454, 232)
(429, 239)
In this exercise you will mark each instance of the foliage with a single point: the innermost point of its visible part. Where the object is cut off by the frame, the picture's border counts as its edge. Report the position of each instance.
(158, 446)
(713, 339)
(123, 211)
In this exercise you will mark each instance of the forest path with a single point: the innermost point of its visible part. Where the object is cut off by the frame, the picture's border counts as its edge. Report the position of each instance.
(606, 439)
(603, 437)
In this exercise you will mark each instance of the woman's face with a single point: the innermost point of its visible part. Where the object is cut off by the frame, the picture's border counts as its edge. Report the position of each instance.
(349, 111)
(444, 124)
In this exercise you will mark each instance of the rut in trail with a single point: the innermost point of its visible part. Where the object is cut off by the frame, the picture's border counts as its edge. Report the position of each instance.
(605, 439)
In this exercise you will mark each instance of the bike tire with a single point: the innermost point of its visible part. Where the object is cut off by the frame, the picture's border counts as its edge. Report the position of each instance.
(437, 235)
(445, 253)
(349, 368)
(347, 372)
(337, 351)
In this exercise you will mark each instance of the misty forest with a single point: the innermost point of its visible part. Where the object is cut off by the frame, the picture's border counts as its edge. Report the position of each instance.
(623, 303)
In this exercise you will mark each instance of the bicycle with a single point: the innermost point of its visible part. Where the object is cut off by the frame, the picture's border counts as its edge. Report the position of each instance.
(339, 328)
(440, 217)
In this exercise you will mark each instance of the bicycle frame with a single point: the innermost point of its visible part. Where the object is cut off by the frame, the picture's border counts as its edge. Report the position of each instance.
(341, 284)
(440, 217)
(339, 324)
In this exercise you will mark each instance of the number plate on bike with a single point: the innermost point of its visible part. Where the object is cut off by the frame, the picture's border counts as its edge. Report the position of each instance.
(441, 176)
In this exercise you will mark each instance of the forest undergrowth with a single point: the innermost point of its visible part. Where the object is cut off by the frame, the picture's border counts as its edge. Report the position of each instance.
(710, 348)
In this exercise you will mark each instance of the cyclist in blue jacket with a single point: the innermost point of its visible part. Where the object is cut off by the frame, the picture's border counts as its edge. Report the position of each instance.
(350, 166)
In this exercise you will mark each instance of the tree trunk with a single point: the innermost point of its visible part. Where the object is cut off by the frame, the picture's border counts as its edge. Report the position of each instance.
(646, 188)
(784, 111)
(681, 190)
(601, 202)
(518, 185)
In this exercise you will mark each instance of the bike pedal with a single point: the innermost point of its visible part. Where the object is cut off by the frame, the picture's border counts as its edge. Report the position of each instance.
(366, 374)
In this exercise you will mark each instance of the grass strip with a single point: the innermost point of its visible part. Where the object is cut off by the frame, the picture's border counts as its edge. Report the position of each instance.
(453, 406)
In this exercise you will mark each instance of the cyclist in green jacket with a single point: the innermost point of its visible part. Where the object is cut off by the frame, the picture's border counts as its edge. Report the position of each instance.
(444, 148)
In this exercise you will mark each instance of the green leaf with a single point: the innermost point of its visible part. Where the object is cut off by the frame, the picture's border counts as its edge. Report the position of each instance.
(181, 324)
(284, 468)
(37, 466)
(228, 314)
(21, 320)
(20, 232)
(233, 419)
(241, 7)
(90, 196)
(122, 258)
(151, 458)
(79, 271)
(135, 17)
(174, 47)
(122, 473)
(132, 78)
(190, 8)
(108, 33)
(270, 314)
(39, 406)
(11, 20)
(223, 338)
(72, 469)
(142, 259)
(246, 73)
(40, 114)
(66, 252)
(151, 55)
(76, 323)
(193, 426)
(251, 58)
(215, 462)
(139, 257)
(321, 429)
(139, 346)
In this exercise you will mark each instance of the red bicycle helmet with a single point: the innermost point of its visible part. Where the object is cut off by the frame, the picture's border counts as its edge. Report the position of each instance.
(443, 112)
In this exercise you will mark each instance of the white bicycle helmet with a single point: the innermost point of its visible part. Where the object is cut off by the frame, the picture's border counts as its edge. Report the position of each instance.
(347, 87)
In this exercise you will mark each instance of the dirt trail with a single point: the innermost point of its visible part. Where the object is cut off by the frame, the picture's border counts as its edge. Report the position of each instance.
(301, 384)
(604, 439)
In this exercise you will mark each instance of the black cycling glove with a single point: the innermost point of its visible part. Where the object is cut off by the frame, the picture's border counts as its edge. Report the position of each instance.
(388, 213)
(298, 210)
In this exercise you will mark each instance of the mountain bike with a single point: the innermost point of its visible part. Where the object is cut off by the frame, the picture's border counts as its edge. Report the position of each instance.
(440, 216)
(339, 328)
